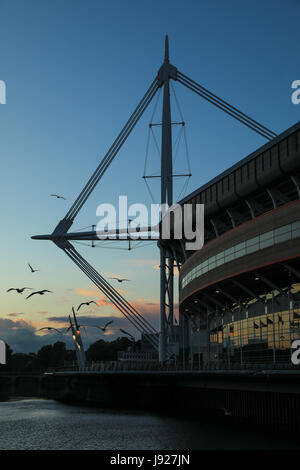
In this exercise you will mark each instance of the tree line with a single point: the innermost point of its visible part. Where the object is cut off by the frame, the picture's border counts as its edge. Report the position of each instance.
(57, 355)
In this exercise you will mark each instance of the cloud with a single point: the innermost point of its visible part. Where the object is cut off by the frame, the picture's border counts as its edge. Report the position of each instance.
(149, 309)
(21, 337)
(93, 292)
(87, 292)
(103, 301)
(93, 333)
(21, 334)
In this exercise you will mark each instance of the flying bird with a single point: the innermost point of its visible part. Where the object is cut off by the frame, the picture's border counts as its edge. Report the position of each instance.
(19, 290)
(49, 328)
(103, 328)
(87, 303)
(40, 292)
(119, 279)
(31, 268)
(58, 197)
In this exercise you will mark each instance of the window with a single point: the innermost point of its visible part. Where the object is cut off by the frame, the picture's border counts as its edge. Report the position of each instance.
(229, 254)
(257, 243)
(220, 259)
(282, 237)
(252, 245)
(212, 262)
(283, 233)
(266, 239)
(240, 249)
(229, 258)
(204, 269)
(296, 229)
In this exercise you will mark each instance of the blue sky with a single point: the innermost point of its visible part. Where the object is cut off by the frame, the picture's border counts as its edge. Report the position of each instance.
(74, 72)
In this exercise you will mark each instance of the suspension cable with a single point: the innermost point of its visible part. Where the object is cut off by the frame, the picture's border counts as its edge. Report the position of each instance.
(152, 339)
(112, 152)
(117, 299)
(226, 107)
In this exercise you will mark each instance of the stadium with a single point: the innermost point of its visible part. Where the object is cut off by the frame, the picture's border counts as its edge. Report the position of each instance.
(239, 296)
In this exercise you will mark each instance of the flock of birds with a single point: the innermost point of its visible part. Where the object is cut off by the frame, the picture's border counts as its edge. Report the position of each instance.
(65, 331)
(20, 290)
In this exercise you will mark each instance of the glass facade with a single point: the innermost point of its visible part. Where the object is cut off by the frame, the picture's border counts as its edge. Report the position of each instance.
(264, 240)
(263, 338)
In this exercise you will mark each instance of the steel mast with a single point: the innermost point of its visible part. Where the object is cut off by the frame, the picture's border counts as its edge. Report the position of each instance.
(166, 72)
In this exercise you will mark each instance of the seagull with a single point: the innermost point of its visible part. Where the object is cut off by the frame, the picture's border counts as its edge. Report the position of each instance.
(58, 197)
(19, 290)
(49, 328)
(119, 279)
(87, 303)
(103, 328)
(31, 268)
(41, 292)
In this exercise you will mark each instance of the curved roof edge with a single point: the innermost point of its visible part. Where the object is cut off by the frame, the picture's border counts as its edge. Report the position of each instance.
(244, 160)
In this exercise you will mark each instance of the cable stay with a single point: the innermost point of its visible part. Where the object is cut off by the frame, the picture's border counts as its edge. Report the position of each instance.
(226, 107)
(137, 320)
(60, 236)
(112, 152)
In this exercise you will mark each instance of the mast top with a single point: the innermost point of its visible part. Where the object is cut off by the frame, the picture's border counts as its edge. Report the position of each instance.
(166, 49)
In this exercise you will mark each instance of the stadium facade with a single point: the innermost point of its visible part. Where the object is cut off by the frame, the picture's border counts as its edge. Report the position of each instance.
(239, 296)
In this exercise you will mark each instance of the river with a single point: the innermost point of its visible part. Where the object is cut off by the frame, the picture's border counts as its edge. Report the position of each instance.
(46, 424)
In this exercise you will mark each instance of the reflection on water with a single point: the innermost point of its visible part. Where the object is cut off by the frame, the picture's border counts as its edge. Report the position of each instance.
(46, 424)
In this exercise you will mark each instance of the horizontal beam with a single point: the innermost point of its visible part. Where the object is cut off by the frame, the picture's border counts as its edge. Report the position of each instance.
(118, 234)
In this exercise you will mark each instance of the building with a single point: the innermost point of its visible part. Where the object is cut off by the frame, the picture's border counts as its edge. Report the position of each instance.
(239, 295)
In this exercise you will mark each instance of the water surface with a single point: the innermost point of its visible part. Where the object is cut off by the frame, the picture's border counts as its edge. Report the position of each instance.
(46, 424)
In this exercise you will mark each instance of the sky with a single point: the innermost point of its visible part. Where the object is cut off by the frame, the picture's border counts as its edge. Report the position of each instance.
(74, 72)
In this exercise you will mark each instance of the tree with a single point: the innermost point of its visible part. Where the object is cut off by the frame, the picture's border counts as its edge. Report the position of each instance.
(58, 355)
(107, 351)
(44, 356)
